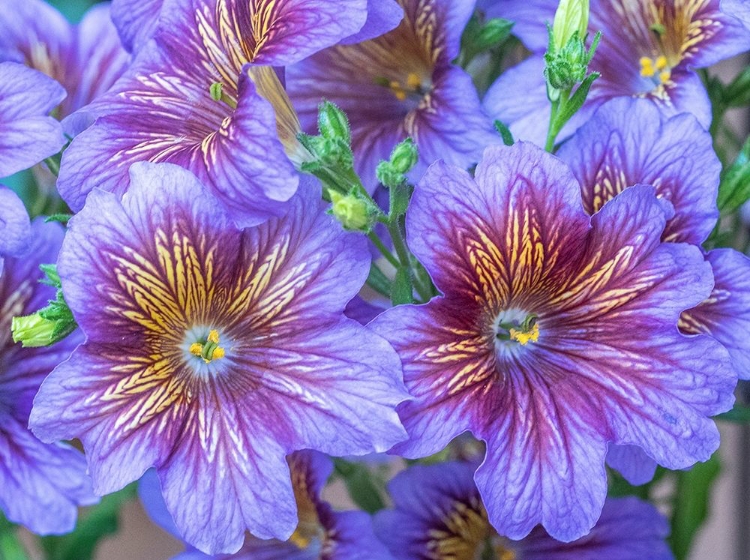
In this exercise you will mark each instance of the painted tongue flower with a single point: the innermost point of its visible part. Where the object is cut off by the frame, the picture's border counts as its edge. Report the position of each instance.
(27, 133)
(228, 122)
(137, 20)
(398, 85)
(439, 514)
(649, 49)
(41, 485)
(628, 142)
(213, 352)
(86, 58)
(556, 336)
(322, 532)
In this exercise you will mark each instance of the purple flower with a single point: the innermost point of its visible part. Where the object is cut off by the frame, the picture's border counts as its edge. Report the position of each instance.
(648, 49)
(439, 514)
(238, 146)
(27, 133)
(41, 484)
(398, 85)
(86, 58)
(15, 228)
(629, 142)
(213, 352)
(556, 336)
(136, 20)
(739, 9)
(322, 532)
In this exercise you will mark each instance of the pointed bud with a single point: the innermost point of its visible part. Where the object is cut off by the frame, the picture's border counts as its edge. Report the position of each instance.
(332, 123)
(571, 16)
(404, 156)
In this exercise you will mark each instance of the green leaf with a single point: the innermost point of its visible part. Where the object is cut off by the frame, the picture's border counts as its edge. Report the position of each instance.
(361, 485)
(61, 218)
(402, 290)
(379, 281)
(11, 547)
(737, 94)
(691, 503)
(734, 189)
(95, 524)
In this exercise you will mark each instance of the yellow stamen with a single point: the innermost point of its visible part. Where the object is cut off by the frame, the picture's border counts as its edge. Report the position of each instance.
(664, 76)
(647, 67)
(661, 62)
(524, 337)
(413, 82)
(210, 349)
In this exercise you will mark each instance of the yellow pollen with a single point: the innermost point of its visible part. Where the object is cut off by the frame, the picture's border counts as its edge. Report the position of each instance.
(413, 82)
(213, 336)
(659, 67)
(647, 67)
(196, 348)
(218, 353)
(524, 337)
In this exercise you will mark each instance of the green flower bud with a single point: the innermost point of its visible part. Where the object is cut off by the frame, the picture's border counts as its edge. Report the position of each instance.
(33, 331)
(404, 157)
(353, 212)
(332, 123)
(572, 17)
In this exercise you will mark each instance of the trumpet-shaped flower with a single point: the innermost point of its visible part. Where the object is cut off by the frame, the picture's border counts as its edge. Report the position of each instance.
(213, 352)
(398, 85)
(214, 104)
(86, 59)
(439, 514)
(556, 336)
(321, 534)
(649, 49)
(628, 142)
(137, 20)
(27, 133)
(41, 485)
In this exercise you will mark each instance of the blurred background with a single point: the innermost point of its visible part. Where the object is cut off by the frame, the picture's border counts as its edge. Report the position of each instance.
(725, 535)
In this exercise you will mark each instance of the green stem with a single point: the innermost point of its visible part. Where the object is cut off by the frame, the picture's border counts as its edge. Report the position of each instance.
(554, 121)
(404, 257)
(383, 249)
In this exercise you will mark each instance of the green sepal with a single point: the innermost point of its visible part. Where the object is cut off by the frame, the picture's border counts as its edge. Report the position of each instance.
(505, 133)
(60, 218)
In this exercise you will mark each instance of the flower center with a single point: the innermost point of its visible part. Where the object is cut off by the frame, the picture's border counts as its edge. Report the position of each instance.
(656, 68)
(517, 326)
(494, 548)
(209, 348)
(413, 87)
